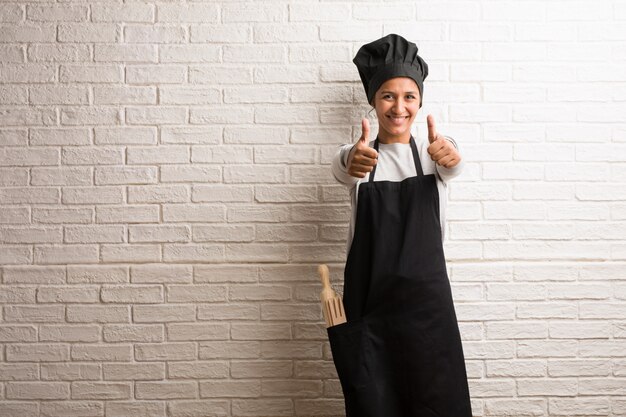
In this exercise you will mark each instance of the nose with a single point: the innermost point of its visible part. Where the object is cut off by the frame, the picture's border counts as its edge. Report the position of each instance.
(398, 107)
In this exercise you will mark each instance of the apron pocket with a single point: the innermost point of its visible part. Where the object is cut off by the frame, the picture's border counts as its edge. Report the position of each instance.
(350, 345)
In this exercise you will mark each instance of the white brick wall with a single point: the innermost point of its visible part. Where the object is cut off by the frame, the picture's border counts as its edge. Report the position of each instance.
(165, 198)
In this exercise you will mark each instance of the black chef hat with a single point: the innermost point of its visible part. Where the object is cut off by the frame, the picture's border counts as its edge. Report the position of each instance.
(388, 57)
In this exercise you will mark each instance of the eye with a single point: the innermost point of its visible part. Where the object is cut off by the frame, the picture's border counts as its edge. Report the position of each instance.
(410, 97)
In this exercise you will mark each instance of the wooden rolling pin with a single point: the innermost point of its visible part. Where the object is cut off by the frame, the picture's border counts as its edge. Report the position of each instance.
(332, 305)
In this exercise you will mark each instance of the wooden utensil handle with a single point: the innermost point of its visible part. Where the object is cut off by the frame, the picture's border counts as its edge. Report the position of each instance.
(324, 275)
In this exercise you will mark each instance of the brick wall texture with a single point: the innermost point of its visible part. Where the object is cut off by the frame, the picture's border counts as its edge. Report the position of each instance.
(166, 197)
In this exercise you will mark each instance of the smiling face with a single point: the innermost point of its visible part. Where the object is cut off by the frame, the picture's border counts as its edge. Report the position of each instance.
(397, 102)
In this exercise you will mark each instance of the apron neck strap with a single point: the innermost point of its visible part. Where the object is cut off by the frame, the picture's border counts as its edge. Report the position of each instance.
(416, 159)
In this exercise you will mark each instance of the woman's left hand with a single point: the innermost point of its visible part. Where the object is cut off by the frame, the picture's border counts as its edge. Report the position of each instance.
(441, 150)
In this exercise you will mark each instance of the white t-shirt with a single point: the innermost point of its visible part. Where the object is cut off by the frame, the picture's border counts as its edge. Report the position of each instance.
(395, 163)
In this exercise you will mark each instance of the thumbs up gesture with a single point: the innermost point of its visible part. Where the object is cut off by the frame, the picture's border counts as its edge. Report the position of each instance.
(442, 151)
(362, 158)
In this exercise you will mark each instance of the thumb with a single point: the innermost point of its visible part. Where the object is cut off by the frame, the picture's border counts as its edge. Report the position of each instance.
(432, 131)
(365, 131)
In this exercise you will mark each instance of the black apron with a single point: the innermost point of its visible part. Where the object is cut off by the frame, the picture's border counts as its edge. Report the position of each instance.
(400, 352)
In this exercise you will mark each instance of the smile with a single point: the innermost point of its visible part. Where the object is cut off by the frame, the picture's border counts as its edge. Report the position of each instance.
(398, 119)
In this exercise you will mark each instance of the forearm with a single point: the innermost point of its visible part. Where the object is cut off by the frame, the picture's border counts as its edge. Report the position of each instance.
(339, 166)
(447, 174)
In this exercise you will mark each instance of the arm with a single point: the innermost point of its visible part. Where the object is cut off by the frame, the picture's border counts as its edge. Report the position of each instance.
(339, 166)
(352, 162)
(447, 174)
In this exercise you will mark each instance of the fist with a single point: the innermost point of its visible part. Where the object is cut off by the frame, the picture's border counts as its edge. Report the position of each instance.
(362, 158)
(441, 151)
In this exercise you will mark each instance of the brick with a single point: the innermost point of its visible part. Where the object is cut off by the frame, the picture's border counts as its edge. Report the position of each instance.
(223, 233)
(291, 349)
(66, 333)
(70, 371)
(128, 214)
(158, 194)
(130, 253)
(143, 13)
(133, 333)
(22, 409)
(125, 53)
(72, 409)
(516, 368)
(31, 235)
(154, 34)
(205, 213)
(225, 273)
(125, 136)
(125, 175)
(17, 295)
(200, 331)
(259, 214)
(60, 136)
(524, 407)
(101, 353)
(98, 314)
(101, 274)
(229, 311)
(193, 253)
(162, 74)
(230, 388)
(166, 390)
(165, 352)
(222, 193)
(582, 406)
(139, 372)
(522, 330)
(33, 314)
(270, 331)
(580, 330)
(251, 407)
(65, 254)
(37, 391)
(137, 409)
(67, 294)
(578, 367)
(160, 233)
(100, 391)
(95, 234)
(278, 273)
(29, 156)
(131, 294)
(198, 370)
(190, 174)
(34, 275)
(261, 369)
(229, 350)
(198, 408)
(161, 274)
(17, 334)
(10, 255)
(222, 154)
(62, 215)
(40, 352)
(93, 195)
(196, 293)
(163, 313)
(540, 348)
(18, 372)
(13, 177)
(160, 114)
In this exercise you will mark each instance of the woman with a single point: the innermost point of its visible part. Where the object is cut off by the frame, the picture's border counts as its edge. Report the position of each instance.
(400, 352)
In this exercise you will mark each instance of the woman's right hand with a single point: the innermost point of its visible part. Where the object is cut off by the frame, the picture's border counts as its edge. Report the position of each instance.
(362, 158)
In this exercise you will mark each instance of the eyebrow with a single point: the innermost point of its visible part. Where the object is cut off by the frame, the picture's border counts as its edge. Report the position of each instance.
(392, 92)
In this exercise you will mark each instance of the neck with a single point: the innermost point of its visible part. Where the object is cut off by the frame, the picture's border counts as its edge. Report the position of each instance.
(386, 137)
